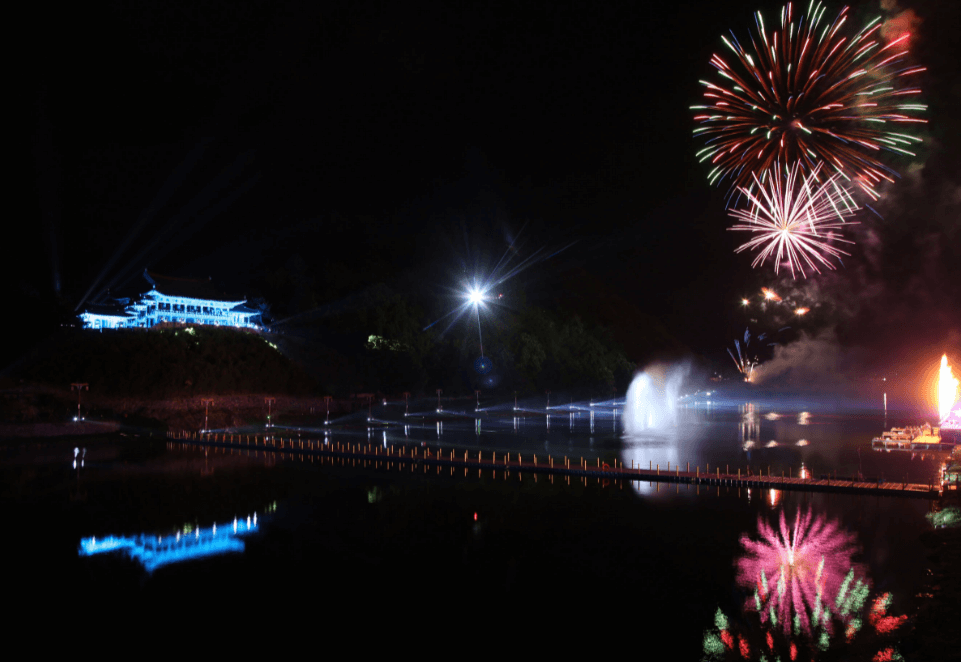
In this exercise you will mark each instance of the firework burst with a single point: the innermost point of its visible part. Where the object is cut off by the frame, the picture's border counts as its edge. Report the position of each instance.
(795, 220)
(810, 92)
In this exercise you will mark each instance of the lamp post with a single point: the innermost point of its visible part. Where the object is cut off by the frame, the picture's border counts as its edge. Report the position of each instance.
(206, 402)
(269, 402)
(406, 403)
(476, 297)
(327, 399)
(477, 407)
(515, 400)
(79, 387)
(439, 407)
(548, 399)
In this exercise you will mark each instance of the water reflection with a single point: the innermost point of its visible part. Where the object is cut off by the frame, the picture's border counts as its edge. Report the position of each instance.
(661, 453)
(154, 551)
(805, 595)
(749, 436)
(774, 497)
(79, 455)
(792, 569)
(750, 425)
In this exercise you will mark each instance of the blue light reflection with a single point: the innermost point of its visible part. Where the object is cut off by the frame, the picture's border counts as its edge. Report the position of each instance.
(153, 551)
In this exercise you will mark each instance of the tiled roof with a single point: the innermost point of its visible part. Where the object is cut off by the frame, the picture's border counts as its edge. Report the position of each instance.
(105, 309)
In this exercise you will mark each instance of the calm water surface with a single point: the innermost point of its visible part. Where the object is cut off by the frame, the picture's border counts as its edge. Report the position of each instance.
(652, 559)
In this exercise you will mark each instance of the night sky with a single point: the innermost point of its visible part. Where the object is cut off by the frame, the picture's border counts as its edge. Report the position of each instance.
(411, 143)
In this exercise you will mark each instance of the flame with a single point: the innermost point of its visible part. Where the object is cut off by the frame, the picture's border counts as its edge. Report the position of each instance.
(947, 389)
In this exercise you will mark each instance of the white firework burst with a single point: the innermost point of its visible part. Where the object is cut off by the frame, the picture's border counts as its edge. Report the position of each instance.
(795, 219)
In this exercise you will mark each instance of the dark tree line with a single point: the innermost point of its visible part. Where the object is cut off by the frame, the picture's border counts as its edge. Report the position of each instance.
(382, 341)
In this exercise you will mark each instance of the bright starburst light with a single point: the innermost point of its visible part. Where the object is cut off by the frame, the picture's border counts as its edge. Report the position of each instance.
(476, 296)
(480, 296)
(810, 91)
(795, 219)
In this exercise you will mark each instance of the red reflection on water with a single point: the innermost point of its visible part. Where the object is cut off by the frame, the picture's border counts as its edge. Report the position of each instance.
(883, 623)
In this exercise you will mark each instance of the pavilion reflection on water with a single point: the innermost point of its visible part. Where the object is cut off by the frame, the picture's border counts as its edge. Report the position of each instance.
(155, 551)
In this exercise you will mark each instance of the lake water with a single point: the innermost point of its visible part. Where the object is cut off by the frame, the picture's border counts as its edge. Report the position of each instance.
(632, 558)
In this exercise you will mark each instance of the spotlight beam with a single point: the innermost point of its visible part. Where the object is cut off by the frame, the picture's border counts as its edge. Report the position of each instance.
(193, 209)
(166, 191)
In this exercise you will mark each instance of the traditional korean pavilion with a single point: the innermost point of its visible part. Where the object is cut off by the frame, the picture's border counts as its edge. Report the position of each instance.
(172, 301)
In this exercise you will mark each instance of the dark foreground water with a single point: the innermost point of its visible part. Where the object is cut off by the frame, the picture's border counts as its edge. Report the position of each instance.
(696, 571)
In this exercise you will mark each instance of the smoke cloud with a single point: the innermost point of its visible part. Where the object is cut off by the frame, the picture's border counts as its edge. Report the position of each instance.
(809, 361)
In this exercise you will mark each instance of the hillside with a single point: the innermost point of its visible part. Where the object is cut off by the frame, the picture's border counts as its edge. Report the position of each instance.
(164, 362)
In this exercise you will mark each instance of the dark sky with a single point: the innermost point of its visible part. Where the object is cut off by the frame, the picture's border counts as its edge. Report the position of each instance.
(220, 138)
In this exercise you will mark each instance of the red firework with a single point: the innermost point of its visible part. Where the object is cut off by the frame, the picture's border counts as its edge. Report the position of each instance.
(810, 92)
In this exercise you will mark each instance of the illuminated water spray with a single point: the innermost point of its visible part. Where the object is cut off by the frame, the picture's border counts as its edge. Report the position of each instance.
(651, 401)
(947, 389)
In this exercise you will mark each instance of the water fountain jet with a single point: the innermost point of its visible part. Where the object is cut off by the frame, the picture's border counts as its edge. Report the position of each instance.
(651, 402)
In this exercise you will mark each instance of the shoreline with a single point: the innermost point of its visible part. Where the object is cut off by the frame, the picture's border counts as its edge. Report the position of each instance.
(33, 411)
(47, 430)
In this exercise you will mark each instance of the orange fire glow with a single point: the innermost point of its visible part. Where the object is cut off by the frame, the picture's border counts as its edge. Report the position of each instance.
(947, 389)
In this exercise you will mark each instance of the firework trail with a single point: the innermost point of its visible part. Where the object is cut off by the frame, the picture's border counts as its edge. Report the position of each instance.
(809, 92)
(795, 220)
(745, 364)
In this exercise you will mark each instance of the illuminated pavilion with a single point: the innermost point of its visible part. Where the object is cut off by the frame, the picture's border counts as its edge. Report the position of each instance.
(172, 301)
